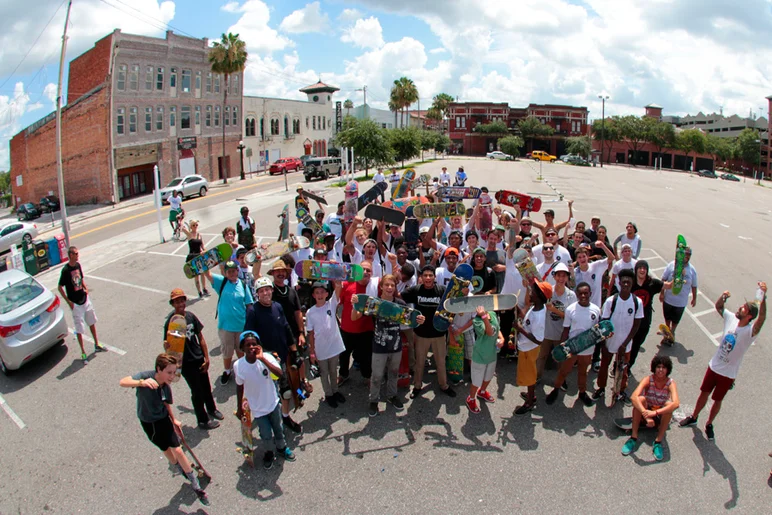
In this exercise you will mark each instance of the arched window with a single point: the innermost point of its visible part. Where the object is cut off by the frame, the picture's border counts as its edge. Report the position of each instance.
(323, 144)
(262, 128)
(286, 127)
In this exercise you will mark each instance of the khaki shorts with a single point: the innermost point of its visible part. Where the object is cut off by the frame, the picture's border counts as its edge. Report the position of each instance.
(83, 316)
(526, 367)
(229, 342)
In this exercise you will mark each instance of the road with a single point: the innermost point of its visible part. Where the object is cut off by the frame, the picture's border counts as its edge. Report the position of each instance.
(81, 449)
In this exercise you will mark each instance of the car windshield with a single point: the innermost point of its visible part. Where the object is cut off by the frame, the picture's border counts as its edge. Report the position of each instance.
(15, 295)
(175, 182)
(29, 205)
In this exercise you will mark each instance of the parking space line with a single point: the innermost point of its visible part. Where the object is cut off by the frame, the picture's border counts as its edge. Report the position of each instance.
(703, 328)
(116, 350)
(164, 254)
(128, 284)
(705, 312)
(117, 259)
(182, 246)
(716, 335)
(8, 411)
(211, 240)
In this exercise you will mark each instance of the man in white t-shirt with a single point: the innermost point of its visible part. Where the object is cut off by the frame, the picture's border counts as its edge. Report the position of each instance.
(736, 339)
(253, 380)
(548, 263)
(626, 263)
(562, 296)
(335, 220)
(444, 176)
(530, 334)
(378, 178)
(324, 339)
(673, 305)
(592, 272)
(560, 253)
(625, 311)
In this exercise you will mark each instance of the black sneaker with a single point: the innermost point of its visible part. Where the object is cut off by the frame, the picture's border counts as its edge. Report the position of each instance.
(100, 348)
(339, 397)
(225, 378)
(450, 392)
(394, 401)
(212, 424)
(524, 396)
(294, 426)
(623, 397)
(688, 421)
(525, 408)
(596, 366)
(564, 386)
(552, 396)
(330, 400)
(206, 292)
(268, 458)
(216, 414)
(416, 392)
(373, 411)
(585, 399)
(599, 393)
(202, 497)
(709, 432)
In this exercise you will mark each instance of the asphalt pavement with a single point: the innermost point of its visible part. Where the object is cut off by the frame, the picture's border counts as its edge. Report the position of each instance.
(81, 448)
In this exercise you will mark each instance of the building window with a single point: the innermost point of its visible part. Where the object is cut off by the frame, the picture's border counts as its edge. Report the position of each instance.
(172, 116)
(307, 122)
(313, 122)
(198, 116)
(216, 116)
(262, 128)
(134, 77)
(186, 77)
(149, 78)
(172, 77)
(148, 119)
(235, 82)
(121, 83)
(208, 116)
(198, 80)
(159, 78)
(286, 127)
(133, 120)
(159, 118)
(274, 127)
(209, 82)
(227, 118)
(296, 126)
(120, 120)
(216, 83)
(235, 116)
(324, 123)
(185, 117)
(249, 127)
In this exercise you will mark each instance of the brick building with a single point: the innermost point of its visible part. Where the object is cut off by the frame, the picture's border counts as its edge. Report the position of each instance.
(463, 117)
(132, 102)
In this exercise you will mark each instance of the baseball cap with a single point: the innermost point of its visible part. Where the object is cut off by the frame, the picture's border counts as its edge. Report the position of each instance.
(753, 308)
(300, 187)
(176, 294)
(595, 217)
(241, 251)
(231, 265)
(423, 230)
(560, 267)
(247, 334)
(499, 227)
(319, 212)
(329, 235)
(545, 287)
(262, 282)
(451, 250)
(318, 284)
(549, 212)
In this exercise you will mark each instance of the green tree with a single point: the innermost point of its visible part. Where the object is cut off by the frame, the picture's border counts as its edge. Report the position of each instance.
(634, 131)
(440, 102)
(749, 147)
(690, 141)
(434, 114)
(428, 141)
(442, 144)
(497, 127)
(607, 132)
(531, 128)
(722, 149)
(405, 143)
(403, 94)
(227, 57)
(579, 145)
(5, 183)
(511, 145)
(369, 141)
(661, 135)
(348, 105)
(394, 108)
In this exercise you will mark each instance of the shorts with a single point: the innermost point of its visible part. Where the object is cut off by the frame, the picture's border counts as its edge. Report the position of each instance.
(672, 313)
(83, 316)
(526, 367)
(468, 344)
(482, 372)
(716, 383)
(161, 433)
(173, 214)
(229, 342)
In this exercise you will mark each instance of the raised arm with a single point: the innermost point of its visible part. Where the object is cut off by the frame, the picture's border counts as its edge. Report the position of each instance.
(762, 310)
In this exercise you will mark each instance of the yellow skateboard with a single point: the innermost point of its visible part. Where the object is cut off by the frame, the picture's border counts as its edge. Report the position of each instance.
(667, 335)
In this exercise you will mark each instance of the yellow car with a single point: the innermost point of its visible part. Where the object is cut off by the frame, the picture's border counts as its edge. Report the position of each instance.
(540, 155)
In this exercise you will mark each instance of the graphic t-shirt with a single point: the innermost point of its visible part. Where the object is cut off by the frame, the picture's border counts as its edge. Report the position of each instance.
(484, 344)
(72, 280)
(735, 342)
(579, 319)
(321, 320)
(622, 265)
(387, 338)
(623, 318)
(193, 352)
(533, 322)
(259, 388)
(289, 301)
(594, 277)
(554, 323)
(151, 404)
(425, 300)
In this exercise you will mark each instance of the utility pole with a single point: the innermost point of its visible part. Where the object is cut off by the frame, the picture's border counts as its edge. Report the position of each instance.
(603, 99)
(59, 166)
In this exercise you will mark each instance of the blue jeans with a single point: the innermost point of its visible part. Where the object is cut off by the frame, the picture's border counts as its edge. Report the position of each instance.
(271, 425)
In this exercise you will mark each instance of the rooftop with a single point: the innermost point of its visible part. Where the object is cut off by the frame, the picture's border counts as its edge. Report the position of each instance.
(319, 87)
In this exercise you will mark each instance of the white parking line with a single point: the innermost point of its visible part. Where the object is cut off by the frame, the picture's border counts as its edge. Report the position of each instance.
(716, 335)
(657, 269)
(117, 259)
(128, 284)
(706, 312)
(116, 350)
(163, 254)
(8, 411)
(703, 328)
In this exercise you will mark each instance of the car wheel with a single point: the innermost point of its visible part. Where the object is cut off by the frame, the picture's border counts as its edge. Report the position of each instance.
(202, 192)
(552, 160)
(27, 238)
(326, 175)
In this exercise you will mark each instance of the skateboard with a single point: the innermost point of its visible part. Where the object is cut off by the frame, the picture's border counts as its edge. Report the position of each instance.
(388, 215)
(583, 341)
(371, 195)
(486, 219)
(277, 248)
(455, 359)
(422, 180)
(403, 203)
(455, 288)
(459, 192)
(404, 184)
(666, 333)
(305, 218)
(200, 470)
(411, 236)
(248, 446)
(175, 337)
(626, 424)
(498, 302)
(297, 390)
(313, 196)
(208, 260)
(678, 272)
(350, 210)
(525, 266)
(404, 364)
(284, 225)
(373, 306)
(620, 367)
(512, 199)
(442, 209)
(327, 271)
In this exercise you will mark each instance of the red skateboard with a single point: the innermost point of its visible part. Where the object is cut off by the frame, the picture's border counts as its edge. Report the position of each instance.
(513, 198)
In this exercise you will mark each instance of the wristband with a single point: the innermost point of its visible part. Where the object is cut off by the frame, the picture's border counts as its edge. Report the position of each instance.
(486, 316)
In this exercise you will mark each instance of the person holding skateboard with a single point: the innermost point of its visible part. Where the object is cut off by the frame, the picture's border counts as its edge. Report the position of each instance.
(155, 413)
(195, 249)
(738, 336)
(253, 380)
(530, 334)
(654, 401)
(488, 340)
(673, 306)
(324, 339)
(195, 362)
(592, 273)
(562, 297)
(175, 209)
(357, 333)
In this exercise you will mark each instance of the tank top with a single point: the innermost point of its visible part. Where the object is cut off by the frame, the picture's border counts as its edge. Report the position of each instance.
(657, 397)
(194, 245)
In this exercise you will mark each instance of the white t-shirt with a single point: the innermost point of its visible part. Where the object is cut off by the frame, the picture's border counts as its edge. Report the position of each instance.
(634, 242)
(336, 224)
(444, 177)
(546, 269)
(623, 319)
(321, 320)
(378, 177)
(259, 389)
(534, 324)
(690, 281)
(513, 283)
(734, 343)
(402, 286)
(579, 319)
(554, 323)
(175, 202)
(594, 277)
(561, 254)
(621, 265)
(378, 270)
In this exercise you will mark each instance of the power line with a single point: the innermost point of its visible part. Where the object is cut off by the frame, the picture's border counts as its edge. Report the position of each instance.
(156, 19)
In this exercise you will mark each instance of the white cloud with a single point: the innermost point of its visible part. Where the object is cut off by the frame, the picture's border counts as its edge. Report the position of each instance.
(12, 108)
(308, 19)
(253, 28)
(438, 50)
(349, 15)
(231, 7)
(365, 33)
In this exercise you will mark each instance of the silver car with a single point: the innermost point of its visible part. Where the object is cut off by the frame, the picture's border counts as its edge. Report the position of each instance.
(189, 186)
(31, 319)
(16, 232)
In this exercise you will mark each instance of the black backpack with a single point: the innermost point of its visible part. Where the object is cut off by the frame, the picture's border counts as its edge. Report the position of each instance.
(614, 305)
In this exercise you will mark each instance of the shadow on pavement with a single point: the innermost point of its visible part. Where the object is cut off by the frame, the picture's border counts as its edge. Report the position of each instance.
(712, 457)
(185, 496)
(253, 483)
(30, 372)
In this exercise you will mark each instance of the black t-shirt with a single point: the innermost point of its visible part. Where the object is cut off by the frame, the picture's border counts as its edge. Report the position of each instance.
(72, 280)
(426, 301)
(493, 258)
(151, 404)
(272, 326)
(596, 251)
(193, 352)
(646, 293)
(489, 279)
(386, 338)
(290, 303)
(591, 235)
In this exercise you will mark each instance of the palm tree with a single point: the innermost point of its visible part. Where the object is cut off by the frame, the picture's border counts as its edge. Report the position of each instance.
(227, 57)
(404, 93)
(394, 107)
(348, 105)
(441, 102)
(396, 99)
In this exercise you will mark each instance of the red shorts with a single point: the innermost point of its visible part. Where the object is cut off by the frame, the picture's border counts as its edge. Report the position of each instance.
(716, 383)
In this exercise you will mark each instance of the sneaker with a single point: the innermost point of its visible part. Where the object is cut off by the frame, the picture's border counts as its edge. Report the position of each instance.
(552, 396)
(268, 460)
(450, 392)
(200, 295)
(524, 396)
(206, 292)
(294, 426)
(373, 411)
(596, 366)
(629, 446)
(688, 421)
(355, 365)
(416, 392)
(330, 400)
(287, 454)
(84, 358)
(394, 401)
(623, 397)
(339, 397)
(216, 414)
(599, 393)
(486, 396)
(100, 348)
(709, 432)
(564, 386)
(212, 424)
(658, 454)
(472, 405)
(585, 399)
(202, 497)
(225, 377)
(525, 408)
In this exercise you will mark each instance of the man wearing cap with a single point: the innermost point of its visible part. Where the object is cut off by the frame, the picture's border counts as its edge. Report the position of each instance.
(245, 271)
(245, 228)
(559, 253)
(445, 273)
(673, 305)
(525, 236)
(335, 220)
(549, 220)
(430, 250)
(195, 362)
(592, 232)
(562, 297)
(393, 238)
(736, 339)
(530, 334)
(626, 262)
(444, 176)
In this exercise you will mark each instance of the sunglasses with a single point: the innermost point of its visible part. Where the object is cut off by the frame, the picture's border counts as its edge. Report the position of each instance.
(526, 223)
(548, 248)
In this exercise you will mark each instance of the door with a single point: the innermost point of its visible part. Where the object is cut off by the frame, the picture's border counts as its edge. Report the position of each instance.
(187, 166)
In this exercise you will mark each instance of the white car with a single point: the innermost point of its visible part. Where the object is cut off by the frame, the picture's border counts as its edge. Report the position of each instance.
(498, 155)
(31, 319)
(15, 232)
(189, 186)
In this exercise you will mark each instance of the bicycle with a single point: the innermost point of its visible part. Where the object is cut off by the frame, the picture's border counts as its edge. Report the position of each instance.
(179, 234)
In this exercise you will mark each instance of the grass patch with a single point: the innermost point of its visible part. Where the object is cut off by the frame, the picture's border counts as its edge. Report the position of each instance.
(415, 165)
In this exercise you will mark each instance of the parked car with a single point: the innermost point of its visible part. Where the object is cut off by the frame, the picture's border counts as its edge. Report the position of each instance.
(304, 160)
(288, 164)
(322, 168)
(189, 185)
(497, 154)
(730, 177)
(707, 173)
(540, 155)
(577, 161)
(31, 319)
(15, 233)
(28, 211)
(49, 204)
(565, 157)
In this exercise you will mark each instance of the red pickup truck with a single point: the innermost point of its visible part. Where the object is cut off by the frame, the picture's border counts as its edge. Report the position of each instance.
(290, 164)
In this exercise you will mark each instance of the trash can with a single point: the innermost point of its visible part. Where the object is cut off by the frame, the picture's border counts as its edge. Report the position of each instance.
(62, 247)
(53, 251)
(30, 260)
(41, 254)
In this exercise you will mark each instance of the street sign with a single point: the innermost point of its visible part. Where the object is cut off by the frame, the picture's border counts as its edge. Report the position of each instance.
(249, 152)
(186, 143)
(338, 117)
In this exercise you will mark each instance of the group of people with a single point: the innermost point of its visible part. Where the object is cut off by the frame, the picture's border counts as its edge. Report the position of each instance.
(278, 323)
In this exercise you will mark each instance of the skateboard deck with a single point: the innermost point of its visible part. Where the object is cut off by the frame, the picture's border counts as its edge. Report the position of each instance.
(248, 447)
(455, 288)
(583, 340)
(402, 204)
(208, 260)
(388, 215)
(678, 272)
(459, 192)
(327, 271)
(666, 333)
(371, 195)
(404, 364)
(525, 266)
(373, 306)
(411, 236)
(313, 196)
(455, 360)
(422, 180)
(296, 387)
(175, 337)
(442, 209)
(350, 210)
(467, 304)
(513, 198)
(277, 248)
(305, 218)
(486, 218)
(284, 225)
(200, 470)
(404, 184)
(626, 424)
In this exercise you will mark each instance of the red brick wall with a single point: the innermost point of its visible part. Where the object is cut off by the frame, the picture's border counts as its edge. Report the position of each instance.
(90, 69)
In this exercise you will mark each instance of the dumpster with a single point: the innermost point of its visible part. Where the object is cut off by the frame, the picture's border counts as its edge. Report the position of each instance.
(30, 260)
(41, 255)
(53, 251)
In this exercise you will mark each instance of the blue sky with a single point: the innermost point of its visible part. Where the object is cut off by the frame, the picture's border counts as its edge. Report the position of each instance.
(686, 55)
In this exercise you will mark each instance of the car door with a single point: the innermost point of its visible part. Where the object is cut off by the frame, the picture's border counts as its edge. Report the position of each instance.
(189, 186)
(10, 235)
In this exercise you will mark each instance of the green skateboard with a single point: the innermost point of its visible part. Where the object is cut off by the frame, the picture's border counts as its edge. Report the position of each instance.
(680, 257)
(373, 306)
(278, 248)
(327, 271)
(404, 184)
(455, 360)
(308, 221)
(208, 260)
(499, 302)
(583, 341)
(458, 282)
(525, 266)
(442, 209)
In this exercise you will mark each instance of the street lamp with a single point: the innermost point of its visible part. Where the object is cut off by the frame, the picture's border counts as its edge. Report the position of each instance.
(603, 99)
(241, 148)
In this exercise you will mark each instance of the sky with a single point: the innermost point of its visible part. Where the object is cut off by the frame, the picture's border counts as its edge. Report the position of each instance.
(685, 55)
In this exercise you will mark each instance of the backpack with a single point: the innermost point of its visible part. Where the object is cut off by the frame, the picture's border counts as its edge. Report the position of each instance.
(614, 305)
